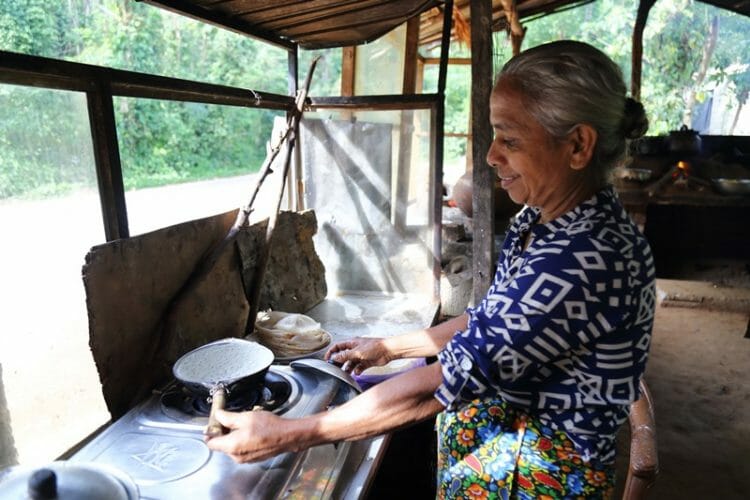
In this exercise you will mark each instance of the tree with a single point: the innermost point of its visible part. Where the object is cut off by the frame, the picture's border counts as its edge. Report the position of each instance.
(681, 62)
(160, 141)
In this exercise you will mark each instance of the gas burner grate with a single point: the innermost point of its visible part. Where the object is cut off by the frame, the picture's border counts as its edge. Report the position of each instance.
(178, 401)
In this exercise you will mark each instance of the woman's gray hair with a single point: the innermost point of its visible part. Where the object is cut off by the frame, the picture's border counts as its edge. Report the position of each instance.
(568, 83)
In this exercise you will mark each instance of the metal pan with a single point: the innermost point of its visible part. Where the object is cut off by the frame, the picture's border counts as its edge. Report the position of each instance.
(217, 368)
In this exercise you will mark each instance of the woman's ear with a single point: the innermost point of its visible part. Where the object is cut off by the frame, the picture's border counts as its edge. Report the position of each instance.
(584, 138)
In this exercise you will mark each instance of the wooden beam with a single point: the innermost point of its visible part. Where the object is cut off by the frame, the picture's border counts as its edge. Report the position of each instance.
(483, 178)
(419, 84)
(451, 60)
(410, 55)
(100, 85)
(348, 69)
(406, 129)
(107, 162)
(644, 6)
(22, 69)
(295, 187)
(439, 148)
(376, 102)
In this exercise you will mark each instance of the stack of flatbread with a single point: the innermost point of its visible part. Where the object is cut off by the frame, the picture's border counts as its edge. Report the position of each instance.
(290, 335)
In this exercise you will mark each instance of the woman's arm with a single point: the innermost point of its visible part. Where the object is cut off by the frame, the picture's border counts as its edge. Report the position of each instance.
(361, 353)
(395, 403)
(427, 342)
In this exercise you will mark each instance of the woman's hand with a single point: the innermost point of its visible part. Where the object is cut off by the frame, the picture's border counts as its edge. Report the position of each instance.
(253, 436)
(360, 353)
(357, 354)
(403, 400)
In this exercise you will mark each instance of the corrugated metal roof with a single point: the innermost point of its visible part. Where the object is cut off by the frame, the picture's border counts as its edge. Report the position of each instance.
(737, 6)
(308, 23)
(337, 23)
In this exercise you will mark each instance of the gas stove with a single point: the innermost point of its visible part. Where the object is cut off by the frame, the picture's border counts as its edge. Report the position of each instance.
(159, 444)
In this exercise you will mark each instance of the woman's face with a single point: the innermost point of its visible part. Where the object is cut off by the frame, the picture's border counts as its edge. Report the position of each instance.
(534, 168)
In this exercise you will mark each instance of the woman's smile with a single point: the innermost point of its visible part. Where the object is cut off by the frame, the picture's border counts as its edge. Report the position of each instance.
(507, 180)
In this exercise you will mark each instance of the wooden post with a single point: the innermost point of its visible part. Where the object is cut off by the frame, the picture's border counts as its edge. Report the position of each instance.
(411, 55)
(483, 179)
(419, 83)
(406, 125)
(348, 75)
(348, 65)
(295, 185)
(107, 160)
(637, 53)
(439, 135)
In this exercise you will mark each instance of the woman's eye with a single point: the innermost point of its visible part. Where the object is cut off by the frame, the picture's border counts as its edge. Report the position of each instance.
(506, 142)
(509, 143)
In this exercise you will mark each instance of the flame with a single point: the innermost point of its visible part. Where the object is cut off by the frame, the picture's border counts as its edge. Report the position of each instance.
(683, 169)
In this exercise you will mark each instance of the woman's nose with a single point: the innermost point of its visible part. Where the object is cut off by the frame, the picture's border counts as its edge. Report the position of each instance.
(493, 159)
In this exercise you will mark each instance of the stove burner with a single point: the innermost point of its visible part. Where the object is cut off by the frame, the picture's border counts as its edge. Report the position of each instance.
(272, 395)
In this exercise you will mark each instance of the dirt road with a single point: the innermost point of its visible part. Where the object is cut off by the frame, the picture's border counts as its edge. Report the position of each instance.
(49, 379)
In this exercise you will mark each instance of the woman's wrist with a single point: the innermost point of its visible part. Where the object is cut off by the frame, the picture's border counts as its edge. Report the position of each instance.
(414, 344)
(391, 348)
(303, 433)
(422, 343)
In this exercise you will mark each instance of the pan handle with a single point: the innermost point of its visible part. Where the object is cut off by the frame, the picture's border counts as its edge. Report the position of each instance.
(218, 400)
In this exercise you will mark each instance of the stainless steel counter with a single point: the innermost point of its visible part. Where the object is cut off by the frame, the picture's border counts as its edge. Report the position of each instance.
(167, 458)
(369, 314)
(357, 314)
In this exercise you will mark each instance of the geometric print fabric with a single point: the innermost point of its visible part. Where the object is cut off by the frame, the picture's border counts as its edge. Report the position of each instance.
(565, 327)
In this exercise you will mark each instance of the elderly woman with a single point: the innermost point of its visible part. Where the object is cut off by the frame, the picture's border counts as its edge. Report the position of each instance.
(532, 385)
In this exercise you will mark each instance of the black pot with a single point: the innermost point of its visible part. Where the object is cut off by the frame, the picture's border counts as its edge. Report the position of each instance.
(684, 141)
(645, 146)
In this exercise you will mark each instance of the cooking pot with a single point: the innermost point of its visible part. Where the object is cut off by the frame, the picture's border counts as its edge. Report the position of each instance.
(220, 367)
(67, 481)
(645, 146)
(684, 141)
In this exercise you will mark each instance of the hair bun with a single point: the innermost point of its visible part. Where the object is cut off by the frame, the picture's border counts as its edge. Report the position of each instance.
(634, 120)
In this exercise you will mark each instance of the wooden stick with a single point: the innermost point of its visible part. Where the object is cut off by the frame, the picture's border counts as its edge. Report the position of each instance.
(254, 299)
(218, 402)
(207, 262)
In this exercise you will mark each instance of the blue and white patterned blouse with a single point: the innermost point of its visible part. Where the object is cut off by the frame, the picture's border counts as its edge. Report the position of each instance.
(565, 328)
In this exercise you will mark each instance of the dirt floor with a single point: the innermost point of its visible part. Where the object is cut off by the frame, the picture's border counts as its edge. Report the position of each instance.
(699, 376)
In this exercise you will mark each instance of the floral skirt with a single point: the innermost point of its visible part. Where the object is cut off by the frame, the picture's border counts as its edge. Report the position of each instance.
(489, 449)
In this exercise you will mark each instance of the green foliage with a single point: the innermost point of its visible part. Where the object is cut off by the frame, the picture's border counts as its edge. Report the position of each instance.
(673, 44)
(327, 77)
(45, 141)
(45, 138)
(170, 142)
